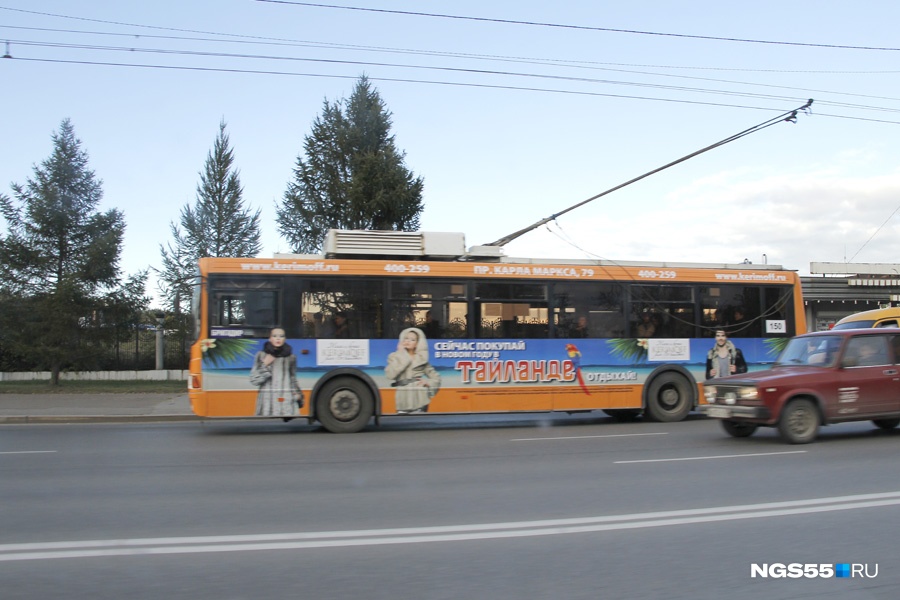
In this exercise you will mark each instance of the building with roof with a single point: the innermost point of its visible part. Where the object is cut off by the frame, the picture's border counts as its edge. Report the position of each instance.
(835, 290)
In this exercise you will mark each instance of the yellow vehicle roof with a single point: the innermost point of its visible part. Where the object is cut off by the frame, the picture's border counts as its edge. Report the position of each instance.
(872, 315)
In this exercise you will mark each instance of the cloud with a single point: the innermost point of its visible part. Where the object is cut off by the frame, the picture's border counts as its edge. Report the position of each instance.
(818, 215)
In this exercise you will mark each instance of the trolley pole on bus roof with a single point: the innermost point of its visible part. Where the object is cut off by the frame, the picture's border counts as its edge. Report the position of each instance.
(790, 117)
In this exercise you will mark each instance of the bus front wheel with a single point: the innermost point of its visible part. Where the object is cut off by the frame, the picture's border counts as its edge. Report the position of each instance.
(344, 405)
(669, 398)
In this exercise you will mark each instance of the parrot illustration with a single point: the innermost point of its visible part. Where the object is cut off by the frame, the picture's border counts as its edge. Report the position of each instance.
(575, 357)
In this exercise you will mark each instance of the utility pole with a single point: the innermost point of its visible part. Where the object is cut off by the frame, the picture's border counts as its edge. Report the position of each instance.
(160, 341)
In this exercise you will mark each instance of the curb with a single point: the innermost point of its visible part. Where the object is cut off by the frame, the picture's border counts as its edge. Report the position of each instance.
(22, 420)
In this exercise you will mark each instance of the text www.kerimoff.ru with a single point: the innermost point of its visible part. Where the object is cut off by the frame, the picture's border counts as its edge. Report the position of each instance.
(292, 266)
(750, 277)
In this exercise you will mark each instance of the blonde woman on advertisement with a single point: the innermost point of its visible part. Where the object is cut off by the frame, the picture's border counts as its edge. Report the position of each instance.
(415, 379)
(274, 372)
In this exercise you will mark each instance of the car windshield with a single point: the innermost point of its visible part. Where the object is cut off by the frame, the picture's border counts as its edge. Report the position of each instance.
(819, 351)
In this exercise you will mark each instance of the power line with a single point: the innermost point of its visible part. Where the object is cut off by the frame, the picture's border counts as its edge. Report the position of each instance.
(397, 65)
(290, 42)
(438, 68)
(569, 63)
(106, 22)
(433, 82)
(520, 60)
(392, 79)
(578, 64)
(871, 237)
(582, 27)
(820, 114)
(247, 39)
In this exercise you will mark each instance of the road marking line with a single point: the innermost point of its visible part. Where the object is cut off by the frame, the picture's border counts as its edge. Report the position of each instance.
(584, 437)
(30, 452)
(654, 460)
(415, 535)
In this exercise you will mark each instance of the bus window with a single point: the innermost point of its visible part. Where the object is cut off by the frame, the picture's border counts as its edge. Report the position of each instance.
(504, 310)
(343, 308)
(743, 311)
(777, 309)
(437, 308)
(671, 310)
(588, 310)
(244, 307)
(734, 308)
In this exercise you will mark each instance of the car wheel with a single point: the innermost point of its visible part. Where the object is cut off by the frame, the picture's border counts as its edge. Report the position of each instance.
(887, 424)
(799, 423)
(623, 414)
(670, 397)
(738, 429)
(344, 405)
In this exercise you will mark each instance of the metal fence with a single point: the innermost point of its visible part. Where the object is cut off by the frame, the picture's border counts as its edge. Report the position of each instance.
(137, 351)
(128, 350)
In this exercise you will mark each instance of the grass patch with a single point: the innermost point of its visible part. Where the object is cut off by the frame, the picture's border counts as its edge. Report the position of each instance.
(93, 387)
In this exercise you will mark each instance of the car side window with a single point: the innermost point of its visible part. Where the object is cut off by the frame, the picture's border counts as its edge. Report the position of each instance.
(866, 351)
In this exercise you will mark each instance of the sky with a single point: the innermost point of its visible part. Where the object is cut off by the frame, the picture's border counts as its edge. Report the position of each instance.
(511, 112)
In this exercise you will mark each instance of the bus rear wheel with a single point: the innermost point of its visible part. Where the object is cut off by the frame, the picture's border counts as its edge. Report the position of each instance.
(669, 398)
(344, 405)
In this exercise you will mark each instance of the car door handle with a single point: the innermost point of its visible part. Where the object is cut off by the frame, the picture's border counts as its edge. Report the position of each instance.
(890, 371)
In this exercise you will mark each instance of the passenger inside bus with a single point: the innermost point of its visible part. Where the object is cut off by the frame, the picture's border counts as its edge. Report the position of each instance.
(581, 328)
(341, 326)
(431, 327)
(647, 327)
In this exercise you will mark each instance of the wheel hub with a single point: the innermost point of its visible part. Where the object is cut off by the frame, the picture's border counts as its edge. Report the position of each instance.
(800, 421)
(345, 405)
(669, 397)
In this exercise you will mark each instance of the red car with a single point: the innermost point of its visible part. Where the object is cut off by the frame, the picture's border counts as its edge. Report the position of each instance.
(819, 379)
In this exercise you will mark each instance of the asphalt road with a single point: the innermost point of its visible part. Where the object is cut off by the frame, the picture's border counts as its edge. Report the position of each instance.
(492, 507)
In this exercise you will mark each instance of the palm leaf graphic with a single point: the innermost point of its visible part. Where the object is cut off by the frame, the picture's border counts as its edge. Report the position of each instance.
(632, 349)
(774, 346)
(226, 351)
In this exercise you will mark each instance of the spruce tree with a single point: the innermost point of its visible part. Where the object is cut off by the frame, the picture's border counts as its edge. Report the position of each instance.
(59, 260)
(218, 224)
(352, 177)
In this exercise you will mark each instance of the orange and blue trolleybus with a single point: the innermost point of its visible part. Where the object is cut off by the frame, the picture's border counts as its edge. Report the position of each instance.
(493, 334)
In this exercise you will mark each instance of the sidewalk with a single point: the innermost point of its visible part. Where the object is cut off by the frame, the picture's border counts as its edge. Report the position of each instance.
(81, 408)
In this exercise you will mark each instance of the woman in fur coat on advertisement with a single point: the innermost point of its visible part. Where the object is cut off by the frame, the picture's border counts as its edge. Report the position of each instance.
(274, 372)
(415, 379)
